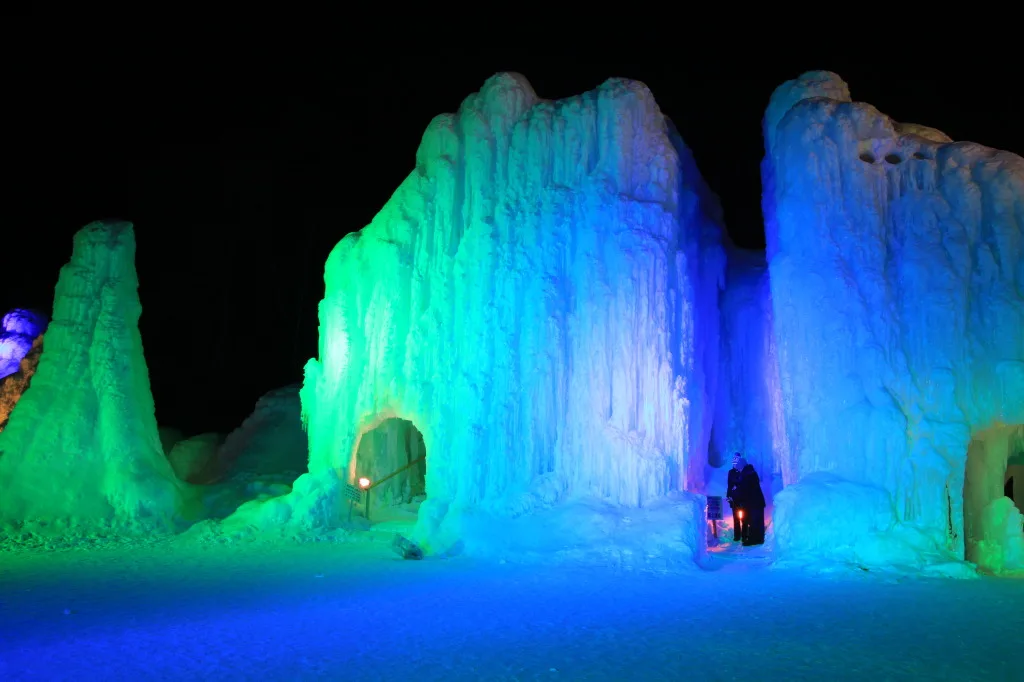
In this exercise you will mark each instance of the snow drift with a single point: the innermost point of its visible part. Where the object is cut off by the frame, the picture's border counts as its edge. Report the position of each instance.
(258, 461)
(81, 447)
(539, 299)
(896, 259)
(271, 440)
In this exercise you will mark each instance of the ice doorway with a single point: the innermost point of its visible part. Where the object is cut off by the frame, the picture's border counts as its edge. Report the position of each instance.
(392, 458)
(993, 524)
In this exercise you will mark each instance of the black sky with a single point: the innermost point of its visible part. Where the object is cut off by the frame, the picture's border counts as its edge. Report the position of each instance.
(241, 175)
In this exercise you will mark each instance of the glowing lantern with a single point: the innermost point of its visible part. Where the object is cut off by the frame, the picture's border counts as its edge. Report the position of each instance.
(739, 514)
(364, 482)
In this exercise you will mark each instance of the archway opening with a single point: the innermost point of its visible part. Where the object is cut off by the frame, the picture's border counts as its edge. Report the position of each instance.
(391, 460)
(993, 525)
(1014, 485)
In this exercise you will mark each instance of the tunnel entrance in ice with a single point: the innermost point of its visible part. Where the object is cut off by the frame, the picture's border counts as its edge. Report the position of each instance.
(993, 525)
(392, 457)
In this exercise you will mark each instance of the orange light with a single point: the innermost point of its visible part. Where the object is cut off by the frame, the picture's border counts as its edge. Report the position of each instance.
(740, 514)
(364, 483)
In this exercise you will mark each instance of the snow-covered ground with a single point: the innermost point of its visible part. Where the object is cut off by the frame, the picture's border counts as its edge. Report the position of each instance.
(188, 610)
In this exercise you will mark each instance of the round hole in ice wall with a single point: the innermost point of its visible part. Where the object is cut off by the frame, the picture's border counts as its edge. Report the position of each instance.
(867, 157)
(921, 156)
(893, 159)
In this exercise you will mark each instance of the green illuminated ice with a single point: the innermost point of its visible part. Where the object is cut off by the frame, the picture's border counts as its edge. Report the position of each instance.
(81, 448)
(539, 298)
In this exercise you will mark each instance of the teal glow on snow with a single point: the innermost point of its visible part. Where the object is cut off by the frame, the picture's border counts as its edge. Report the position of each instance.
(539, 298)
(340, 612)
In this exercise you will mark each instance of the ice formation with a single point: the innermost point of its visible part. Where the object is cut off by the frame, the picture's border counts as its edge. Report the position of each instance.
(18, 330)
(539, 299)
(271, 440)
(194, 460)
(258, 461)
(896, 259)
(14, 385)
(81, 447)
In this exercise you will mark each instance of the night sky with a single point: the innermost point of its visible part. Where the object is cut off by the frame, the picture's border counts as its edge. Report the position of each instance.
(240, 178)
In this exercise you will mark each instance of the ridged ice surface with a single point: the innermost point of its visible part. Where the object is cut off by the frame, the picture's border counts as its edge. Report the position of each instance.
(539, 298)
(897, 277)
(81, 447)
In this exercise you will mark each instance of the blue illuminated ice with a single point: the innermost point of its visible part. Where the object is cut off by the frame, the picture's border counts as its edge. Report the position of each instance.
(17, 332)
(539, 298)
(896, 260)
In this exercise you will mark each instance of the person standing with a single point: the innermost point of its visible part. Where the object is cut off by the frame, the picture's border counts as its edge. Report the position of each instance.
(732, 495)
(750, 498)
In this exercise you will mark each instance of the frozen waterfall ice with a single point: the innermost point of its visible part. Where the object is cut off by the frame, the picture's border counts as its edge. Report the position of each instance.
(539, 299)
(81, 448)
(545, 334)
(896, 259)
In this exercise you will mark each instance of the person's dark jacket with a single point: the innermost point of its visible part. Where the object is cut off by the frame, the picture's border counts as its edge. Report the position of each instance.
(733, 487)
(748, 491)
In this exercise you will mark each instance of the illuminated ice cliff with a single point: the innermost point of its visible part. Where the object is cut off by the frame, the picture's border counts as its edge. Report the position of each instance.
(81, 448)
(545, 309)
(546, 300)
(896, 260)
(539, 298)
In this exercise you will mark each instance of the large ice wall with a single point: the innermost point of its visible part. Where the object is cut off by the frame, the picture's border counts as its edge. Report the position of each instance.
(539, 298)
(896, 260)
(81, 447)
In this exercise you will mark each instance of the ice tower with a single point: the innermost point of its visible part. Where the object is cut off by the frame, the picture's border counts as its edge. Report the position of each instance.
(896, 259)
(538, 298)
(81, 448)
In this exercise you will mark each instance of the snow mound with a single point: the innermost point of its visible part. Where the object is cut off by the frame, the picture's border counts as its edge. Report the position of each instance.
(670, 533)
(539, 297)
(169, 436)
(1002, 545)
(824, 517)
(257, 462)
(81, 449)
(193, 459)
(271, 440)
(896, 261)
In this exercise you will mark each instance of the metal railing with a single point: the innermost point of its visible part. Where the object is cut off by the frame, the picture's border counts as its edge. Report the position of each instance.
(374, 484)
